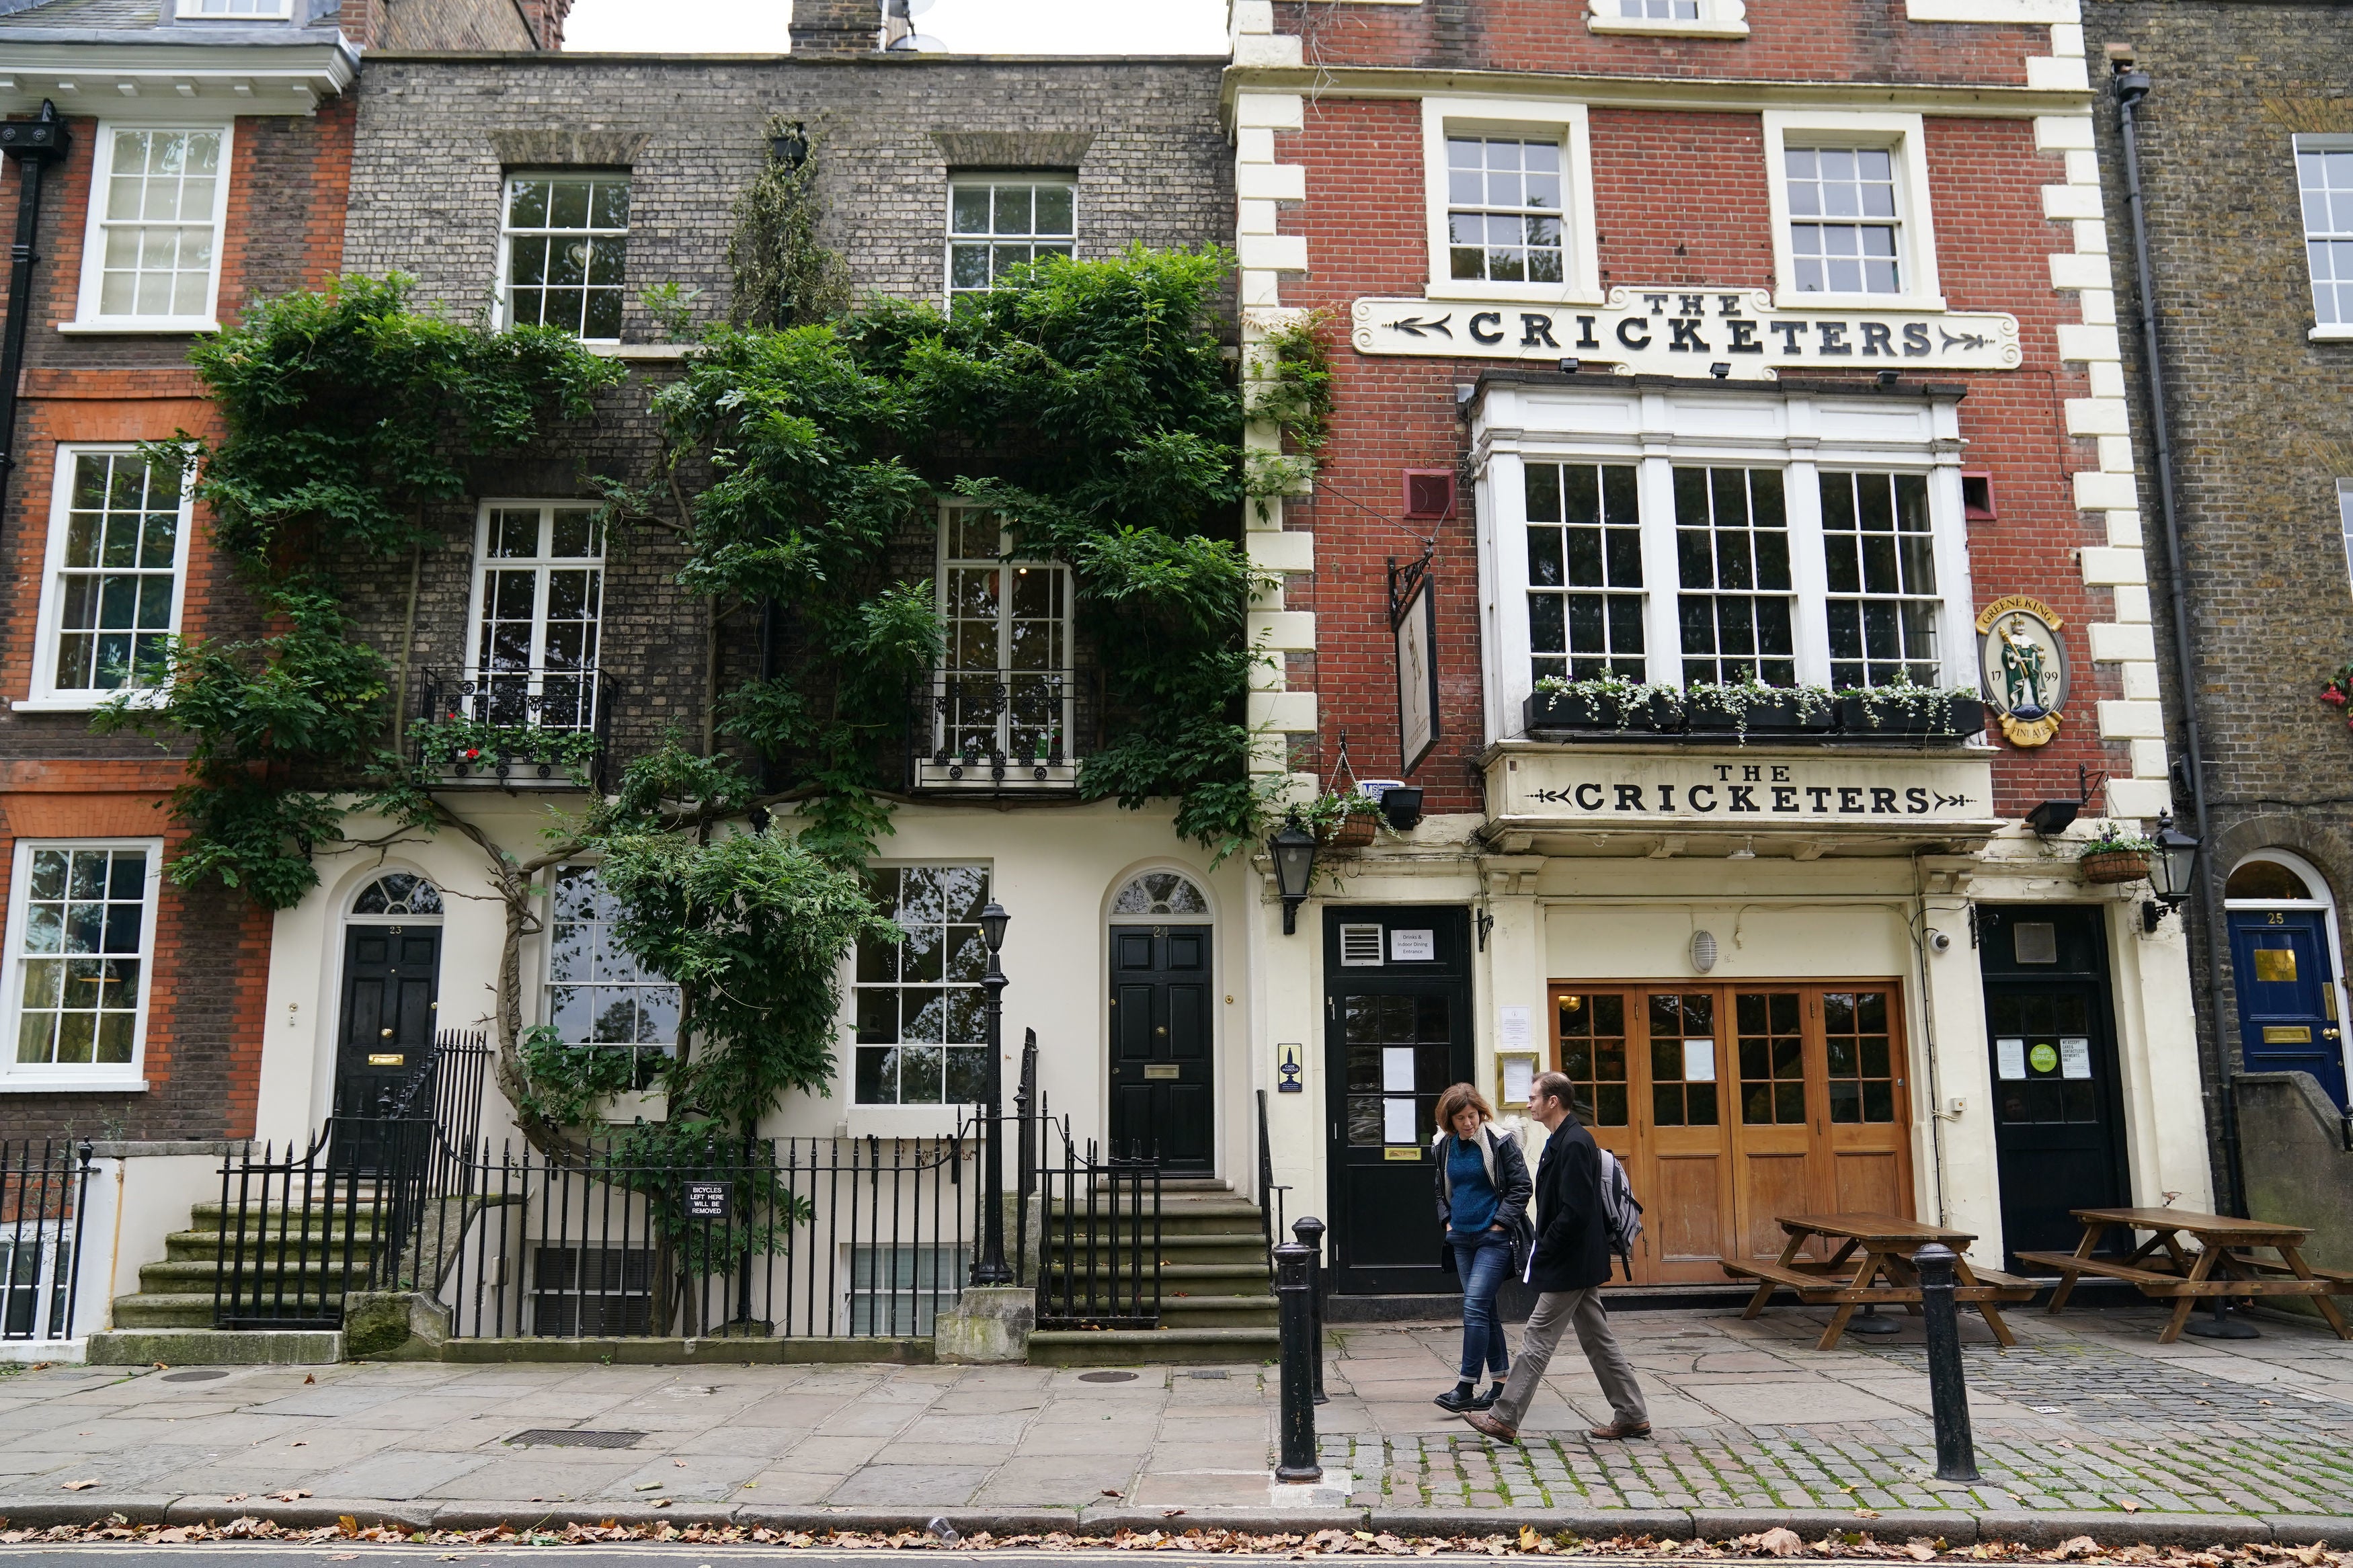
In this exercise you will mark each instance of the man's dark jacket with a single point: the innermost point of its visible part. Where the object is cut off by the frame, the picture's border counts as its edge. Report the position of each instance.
(1572, 1241)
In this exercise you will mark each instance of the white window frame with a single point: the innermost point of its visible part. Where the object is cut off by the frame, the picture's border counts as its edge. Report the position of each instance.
(2329, 331)
(86, 317)
(2345, 524)
(1659, 431)
(49, 1077)
(542, 564)
(43, 696)
(500, 286)
(1716, 19)
(954, 236)
(919, 1113)
(1527, 119)
(265, 11)
(1021, 772)
(548, 983)
(1915, 241)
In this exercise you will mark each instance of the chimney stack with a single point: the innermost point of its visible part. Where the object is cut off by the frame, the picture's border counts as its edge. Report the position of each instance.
(835, 28)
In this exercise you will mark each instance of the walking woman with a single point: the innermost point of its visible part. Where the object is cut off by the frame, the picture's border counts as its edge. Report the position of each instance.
(1483, 1201)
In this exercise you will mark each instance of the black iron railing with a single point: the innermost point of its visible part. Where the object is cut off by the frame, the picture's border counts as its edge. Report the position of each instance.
(1269, 1196)
(1101, 1258)
(1002, 730)
(42, 1187)
(794, 1237)
(300, 1228)
(541, 728)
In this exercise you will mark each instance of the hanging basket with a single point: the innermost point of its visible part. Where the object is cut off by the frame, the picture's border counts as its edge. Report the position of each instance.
(2115, 866)
(1353, 833)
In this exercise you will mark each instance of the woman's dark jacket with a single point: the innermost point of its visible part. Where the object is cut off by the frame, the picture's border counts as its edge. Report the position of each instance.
(1508, 1168)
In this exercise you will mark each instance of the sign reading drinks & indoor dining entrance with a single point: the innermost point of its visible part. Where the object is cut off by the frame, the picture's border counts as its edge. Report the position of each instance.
(1737, 793)
(1686, 332)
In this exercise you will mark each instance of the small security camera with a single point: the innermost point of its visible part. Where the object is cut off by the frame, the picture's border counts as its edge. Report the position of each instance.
(1938, 941)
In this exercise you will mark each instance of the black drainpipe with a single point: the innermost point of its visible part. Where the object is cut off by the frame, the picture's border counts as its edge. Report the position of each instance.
(2132, 86)
(35, 144)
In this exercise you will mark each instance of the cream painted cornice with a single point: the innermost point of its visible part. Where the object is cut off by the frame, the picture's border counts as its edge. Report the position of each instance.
(1723, 94)
(120, 80)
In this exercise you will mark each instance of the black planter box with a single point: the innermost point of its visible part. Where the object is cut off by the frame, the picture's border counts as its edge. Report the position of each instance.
(1574, 711)
(1778, 714)
(1958, 718)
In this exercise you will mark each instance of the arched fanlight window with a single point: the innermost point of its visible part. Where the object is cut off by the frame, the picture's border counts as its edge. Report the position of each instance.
(2265, 879)
(1160, 893)
(399, 894)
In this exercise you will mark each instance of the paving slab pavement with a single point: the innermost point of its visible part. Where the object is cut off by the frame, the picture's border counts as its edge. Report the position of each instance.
(2087, 1418)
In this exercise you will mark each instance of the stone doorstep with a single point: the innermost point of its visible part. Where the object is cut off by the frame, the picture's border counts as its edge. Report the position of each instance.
(1956, 1529)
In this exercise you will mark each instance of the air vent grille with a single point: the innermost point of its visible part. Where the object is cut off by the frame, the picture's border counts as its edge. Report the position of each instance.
(1360, 946)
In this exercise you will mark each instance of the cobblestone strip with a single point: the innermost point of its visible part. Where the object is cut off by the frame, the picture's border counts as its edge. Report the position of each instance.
(2263, 1475)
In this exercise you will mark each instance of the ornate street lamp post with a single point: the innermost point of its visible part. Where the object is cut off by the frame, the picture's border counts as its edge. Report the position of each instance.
(991, 1270)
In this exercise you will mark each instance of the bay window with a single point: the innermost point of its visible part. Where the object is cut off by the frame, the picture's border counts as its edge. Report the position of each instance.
(1723, 537)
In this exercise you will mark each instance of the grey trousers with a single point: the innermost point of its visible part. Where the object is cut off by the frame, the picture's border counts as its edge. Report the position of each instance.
(1555, 1310)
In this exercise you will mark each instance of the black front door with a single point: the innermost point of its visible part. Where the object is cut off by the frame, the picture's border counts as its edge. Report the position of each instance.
(1397, 1032)
(1163, 1089)
(2287, 1001)
(391, 973)
(2058, 1107)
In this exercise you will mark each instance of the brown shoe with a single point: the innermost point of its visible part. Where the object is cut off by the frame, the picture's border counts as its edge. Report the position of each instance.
(1623, 1430)
(1482, 1421)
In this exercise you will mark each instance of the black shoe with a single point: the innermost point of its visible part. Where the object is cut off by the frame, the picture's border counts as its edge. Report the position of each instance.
(1487, 1401)
(1457, 1399)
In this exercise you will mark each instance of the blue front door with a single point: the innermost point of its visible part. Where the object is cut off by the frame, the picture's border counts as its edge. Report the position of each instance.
(2287, 1013)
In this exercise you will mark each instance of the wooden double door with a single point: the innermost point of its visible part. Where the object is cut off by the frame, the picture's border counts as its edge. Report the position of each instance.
(1733, 1104)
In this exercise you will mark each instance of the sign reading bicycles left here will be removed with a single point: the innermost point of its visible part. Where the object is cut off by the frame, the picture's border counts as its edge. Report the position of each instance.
(1678, 331)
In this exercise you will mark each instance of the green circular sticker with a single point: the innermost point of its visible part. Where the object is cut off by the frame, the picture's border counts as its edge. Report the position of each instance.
(2044, 1058)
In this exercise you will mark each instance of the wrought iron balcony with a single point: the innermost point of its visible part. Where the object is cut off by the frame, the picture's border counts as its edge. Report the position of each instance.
(1002, 731)
(513, 729)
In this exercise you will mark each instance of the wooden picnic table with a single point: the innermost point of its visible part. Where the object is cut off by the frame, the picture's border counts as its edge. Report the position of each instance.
(1880, 1246)
(2223, 1263)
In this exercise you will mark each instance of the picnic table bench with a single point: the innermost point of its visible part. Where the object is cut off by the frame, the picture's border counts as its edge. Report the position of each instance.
(2223, 1264)
(1882, 1274)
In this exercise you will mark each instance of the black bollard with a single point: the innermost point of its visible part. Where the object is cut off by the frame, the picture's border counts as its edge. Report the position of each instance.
(1948, 1391)
(1294, 1290)
(1310, 1232)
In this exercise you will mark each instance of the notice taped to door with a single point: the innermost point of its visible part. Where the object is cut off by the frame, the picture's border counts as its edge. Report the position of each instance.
(2074, 1056)
(2009, 1058)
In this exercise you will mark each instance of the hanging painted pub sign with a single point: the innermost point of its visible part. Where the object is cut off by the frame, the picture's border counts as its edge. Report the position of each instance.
(1688, 332)
(2024, 662)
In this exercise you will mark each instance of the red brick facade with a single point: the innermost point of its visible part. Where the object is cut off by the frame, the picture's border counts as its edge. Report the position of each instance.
(282, 229)
(1680, 197)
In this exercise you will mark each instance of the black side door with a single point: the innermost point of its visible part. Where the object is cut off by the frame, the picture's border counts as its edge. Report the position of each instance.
(1397, 1031)
(2058, 1105)
(1162, 1087)
(391, 976)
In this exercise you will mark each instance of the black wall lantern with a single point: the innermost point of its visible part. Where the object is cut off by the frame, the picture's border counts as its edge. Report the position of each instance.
(2172, 871)
(789, 146)
(1294, 850)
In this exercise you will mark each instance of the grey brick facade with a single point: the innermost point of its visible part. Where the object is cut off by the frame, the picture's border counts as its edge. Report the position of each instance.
(436, 134)
(2262, 425)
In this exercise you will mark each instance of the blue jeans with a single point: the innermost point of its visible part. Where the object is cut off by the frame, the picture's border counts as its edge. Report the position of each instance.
(1481, 1262)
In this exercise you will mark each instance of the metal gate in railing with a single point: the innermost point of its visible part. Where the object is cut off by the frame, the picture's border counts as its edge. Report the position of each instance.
(1100, 1257)
(42, 1188)
(791, 1237)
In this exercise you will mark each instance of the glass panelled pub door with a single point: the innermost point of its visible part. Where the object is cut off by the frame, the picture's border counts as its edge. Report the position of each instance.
(1733, 1105)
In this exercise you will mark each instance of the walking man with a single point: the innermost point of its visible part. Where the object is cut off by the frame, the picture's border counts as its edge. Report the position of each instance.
(1568, 1265)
